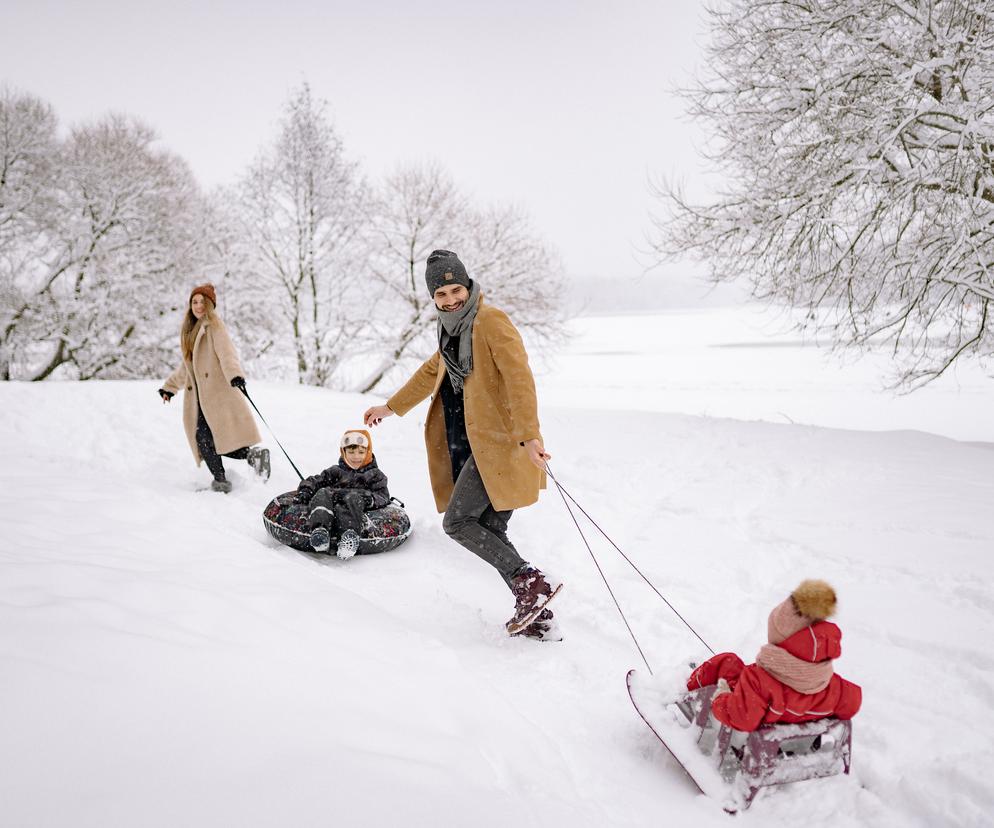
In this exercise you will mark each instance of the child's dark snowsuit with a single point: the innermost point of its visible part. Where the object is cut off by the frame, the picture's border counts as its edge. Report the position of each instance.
(340, 495)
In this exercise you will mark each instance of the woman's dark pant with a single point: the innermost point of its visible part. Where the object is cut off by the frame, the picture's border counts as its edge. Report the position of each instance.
(472, 521)
(205, 443)
(333, 508)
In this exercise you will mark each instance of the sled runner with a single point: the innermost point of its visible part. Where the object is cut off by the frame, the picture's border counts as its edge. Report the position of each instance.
(384, 529)
(729, 765)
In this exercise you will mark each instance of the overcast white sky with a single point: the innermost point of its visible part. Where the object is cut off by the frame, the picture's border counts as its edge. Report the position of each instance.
(562, 107)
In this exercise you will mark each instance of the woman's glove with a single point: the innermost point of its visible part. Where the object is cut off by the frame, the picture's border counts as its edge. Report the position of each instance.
(239, 383)
(166, 395)
(722, 688)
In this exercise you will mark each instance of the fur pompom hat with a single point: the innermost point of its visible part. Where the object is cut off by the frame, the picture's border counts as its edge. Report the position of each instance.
(207, 291)
(357, 437)
(811, 602)
(815, 599)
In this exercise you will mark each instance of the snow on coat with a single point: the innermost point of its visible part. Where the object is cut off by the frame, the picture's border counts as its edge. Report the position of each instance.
(501, 412)
(206, 378)
(757, 698)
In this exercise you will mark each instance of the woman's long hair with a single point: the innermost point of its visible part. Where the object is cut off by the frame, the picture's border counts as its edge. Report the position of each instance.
(191, 326)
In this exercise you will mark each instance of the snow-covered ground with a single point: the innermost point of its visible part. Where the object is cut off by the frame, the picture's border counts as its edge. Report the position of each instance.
(164, 663)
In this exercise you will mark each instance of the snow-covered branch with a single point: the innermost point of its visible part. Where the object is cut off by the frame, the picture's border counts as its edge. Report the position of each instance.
(857, 141)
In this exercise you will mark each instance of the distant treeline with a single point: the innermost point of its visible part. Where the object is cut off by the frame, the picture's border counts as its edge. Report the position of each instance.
(318, 268)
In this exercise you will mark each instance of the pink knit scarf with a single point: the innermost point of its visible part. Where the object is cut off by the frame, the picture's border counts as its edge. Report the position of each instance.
(796, 673)
(801, 675)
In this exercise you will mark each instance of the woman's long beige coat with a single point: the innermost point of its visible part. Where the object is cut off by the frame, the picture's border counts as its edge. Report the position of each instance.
(501, 413)
(209, 374)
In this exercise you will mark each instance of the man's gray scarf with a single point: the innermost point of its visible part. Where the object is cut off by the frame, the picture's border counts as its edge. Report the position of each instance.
(459, 323)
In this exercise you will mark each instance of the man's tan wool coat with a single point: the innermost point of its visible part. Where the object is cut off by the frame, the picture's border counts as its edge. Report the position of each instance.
(207, 378)
(501, 413)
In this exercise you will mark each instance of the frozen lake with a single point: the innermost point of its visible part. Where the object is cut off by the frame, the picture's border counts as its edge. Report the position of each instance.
(746, 363)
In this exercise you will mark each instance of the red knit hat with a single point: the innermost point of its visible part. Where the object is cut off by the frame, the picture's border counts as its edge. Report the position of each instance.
(207, 291)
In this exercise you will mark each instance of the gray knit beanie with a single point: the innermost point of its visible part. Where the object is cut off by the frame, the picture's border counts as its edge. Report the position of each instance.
(444, 268)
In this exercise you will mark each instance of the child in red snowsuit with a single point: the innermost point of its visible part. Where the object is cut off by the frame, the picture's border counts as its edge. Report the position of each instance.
(792, 679)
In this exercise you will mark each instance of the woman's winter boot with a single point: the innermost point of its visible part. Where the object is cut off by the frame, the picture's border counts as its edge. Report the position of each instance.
(258, 459)
(221, 485)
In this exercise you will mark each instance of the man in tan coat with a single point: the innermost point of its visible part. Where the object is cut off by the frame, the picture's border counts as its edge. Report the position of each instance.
(485, 452)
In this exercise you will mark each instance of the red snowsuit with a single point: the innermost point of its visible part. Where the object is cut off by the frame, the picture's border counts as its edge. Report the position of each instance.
(757, 698)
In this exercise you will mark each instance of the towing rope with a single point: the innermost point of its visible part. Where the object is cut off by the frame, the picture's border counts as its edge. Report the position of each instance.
(564, 495)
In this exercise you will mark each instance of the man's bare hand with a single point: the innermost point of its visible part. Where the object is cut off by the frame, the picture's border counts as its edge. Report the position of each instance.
(375, 415)
(537, 453)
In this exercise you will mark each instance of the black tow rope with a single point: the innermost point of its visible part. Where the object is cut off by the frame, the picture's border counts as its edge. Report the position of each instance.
(566, 502)
(257, 411)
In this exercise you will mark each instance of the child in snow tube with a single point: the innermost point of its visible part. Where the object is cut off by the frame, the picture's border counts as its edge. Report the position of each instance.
(348, 502)
(792, 680)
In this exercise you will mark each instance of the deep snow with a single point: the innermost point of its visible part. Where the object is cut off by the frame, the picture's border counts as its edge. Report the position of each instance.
(163, 662)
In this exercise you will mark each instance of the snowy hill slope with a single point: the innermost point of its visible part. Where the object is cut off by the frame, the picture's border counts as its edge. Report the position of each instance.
(163, 662)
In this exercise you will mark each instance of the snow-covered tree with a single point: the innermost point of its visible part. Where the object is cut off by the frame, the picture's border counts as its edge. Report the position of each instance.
(247, 301)
(111, 241)
(102, 235)
(856, 143)
(520, 271)
(302, 214)
(418, 208)
(28, 152)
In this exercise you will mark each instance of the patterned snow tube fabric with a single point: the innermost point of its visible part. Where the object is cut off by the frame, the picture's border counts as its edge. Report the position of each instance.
(385, 528)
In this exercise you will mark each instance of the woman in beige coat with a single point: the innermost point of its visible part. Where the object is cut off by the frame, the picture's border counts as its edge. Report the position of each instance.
(215, 414)
(485, 452)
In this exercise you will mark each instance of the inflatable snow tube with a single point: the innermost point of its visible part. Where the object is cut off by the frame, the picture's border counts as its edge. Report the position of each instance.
(385, 528)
